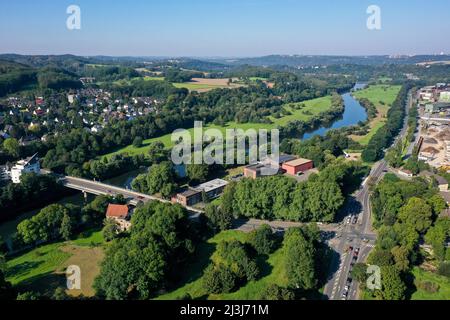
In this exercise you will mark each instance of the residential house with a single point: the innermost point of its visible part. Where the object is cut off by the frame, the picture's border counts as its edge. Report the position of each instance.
(30, 164)
(120, 214)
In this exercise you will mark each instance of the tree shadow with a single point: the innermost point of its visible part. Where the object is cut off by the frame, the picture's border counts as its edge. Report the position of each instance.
(44, 284)
(194, 267)
(351, 207)
(23, 269)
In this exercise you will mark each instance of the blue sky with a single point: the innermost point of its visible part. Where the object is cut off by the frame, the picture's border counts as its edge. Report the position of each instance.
(224, 27)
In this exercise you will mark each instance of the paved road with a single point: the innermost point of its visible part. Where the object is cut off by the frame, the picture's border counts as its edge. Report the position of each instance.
(358, 237)
(98, 188)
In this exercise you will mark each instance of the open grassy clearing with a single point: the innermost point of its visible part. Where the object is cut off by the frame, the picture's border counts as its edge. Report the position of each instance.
(166, 139)
(382, 96)
(191, 283)
(313, 107)
(203, 84)
(43, 268)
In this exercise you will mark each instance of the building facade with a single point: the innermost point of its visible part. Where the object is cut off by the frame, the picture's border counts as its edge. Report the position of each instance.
(27, 165)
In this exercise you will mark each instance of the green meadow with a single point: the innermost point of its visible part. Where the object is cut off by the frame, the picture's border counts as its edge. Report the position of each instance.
(312, 107)
(382, 96)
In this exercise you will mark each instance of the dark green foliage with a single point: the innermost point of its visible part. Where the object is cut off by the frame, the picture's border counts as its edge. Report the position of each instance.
(283, 198)
(263, 240)
(218, 219)
(33, 191)
(300, 257)
(233, 266)
(218, 279)
(110, 230)
(137, 266)
(385, 135)
(159, 179)
(275, 292)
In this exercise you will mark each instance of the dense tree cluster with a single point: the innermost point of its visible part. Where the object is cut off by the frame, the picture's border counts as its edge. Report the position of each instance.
(385, 135)
(280, 197)
(33, 191)
(159, 179)
(233, 266)
(53, 222)
(109, 167)
(404, 211)
(138, 265)
(300, 257)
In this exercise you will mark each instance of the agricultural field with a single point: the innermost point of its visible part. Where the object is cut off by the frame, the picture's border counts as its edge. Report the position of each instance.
(313, 107)
(43, 269)
(204, 85)
(273, 272)
(382, 96)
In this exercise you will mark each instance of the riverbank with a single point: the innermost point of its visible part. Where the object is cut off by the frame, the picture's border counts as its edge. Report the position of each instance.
(309, 112)
(382, 97)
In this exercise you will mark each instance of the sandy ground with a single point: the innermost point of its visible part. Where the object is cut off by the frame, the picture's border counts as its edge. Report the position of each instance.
(88, 259)
(440, 136)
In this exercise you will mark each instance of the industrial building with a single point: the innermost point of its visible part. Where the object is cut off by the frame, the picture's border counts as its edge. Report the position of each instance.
(297, 166)
(192, 196)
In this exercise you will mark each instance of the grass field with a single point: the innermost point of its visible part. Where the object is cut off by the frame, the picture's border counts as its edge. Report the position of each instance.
(272, 272)
(382, 96)
(444, 286)
(314, 106)
(166, 139)
(43, 269)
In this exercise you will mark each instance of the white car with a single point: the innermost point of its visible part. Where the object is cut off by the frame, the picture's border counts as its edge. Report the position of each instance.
(349, 219)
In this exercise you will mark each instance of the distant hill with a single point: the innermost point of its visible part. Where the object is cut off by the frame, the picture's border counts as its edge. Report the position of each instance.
(308, 61)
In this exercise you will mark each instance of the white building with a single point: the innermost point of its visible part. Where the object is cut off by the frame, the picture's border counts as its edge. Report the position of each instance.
(30, 164)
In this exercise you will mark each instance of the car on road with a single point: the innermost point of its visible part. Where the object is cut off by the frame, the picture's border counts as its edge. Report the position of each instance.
(349, 219)
(355, 219)
(350, 248)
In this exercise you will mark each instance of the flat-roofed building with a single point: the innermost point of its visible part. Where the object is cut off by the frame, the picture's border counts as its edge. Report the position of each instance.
(192, 196)
(28, 165)
(298, 165)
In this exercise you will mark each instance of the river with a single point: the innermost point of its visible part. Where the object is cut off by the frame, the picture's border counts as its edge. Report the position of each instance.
(9, 227)
(354, 112)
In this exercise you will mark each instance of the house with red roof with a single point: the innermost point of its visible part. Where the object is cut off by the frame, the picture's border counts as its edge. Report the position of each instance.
(120, 214)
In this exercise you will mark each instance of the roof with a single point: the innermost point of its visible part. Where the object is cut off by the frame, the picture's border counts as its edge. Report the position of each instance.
(440, 180)
(189, 193)
(28, 161)
(211, 185)
(282, 158)
(117, 211)
(297, 162)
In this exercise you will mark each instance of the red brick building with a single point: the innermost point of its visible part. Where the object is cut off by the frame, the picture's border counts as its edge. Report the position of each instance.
(298, 165)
